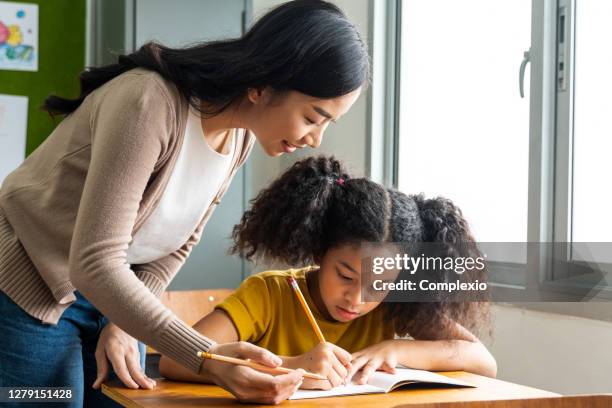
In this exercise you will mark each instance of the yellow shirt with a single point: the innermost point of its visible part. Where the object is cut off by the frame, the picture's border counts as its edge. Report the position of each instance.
(267, 313)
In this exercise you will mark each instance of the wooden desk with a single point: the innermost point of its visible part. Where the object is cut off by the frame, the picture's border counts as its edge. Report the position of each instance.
(573, 401)
(170, 394)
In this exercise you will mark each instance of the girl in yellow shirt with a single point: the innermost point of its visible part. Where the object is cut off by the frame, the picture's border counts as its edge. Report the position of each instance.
(314, 214)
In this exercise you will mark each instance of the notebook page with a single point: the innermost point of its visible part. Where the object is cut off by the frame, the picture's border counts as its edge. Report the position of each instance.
(387, 381)
(381, 382)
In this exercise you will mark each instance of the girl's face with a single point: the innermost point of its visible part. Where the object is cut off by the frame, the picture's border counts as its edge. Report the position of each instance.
(284, 123)
(340, 284)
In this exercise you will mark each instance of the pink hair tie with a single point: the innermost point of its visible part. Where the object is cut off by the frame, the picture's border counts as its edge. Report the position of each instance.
(340, 181)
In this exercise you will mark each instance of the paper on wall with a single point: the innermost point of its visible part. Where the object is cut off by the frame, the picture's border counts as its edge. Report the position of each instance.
(18, 36)
(13, 127)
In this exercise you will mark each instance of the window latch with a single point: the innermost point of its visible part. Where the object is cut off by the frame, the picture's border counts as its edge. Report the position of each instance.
(526, 56)
(561, 49)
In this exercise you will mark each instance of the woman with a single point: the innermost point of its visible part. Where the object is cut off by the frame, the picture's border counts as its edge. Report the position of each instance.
(89, 226)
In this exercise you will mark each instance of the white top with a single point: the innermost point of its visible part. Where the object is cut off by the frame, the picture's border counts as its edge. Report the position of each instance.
(196, 178)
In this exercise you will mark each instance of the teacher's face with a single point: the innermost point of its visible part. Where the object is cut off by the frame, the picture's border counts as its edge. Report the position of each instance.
(292, 120)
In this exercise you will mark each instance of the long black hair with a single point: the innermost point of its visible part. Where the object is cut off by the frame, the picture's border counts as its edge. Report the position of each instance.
(303, 45)
(316, 206)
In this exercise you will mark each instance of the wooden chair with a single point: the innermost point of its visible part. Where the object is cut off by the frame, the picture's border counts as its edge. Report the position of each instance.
(570, 401)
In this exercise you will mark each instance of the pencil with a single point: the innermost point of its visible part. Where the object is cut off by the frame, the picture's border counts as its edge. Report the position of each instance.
(309, 314)
(256, 366)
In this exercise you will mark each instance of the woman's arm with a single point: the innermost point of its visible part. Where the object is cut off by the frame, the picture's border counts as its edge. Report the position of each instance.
(245, 383)
(217, 326)
(325, 359)
(133, 122)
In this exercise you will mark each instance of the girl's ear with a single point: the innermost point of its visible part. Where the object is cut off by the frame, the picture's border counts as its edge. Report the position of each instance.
(257, 95)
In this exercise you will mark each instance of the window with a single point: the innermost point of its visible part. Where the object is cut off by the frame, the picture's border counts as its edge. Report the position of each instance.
(591, 196)
(463, 128)
(532, 169)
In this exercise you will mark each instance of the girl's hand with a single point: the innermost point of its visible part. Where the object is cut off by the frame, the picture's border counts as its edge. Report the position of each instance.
(382, 356)
(245, 383)
(121, 350)
(327, 360)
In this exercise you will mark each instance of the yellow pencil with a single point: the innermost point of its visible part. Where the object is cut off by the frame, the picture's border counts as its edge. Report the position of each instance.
(256, 366)
(309, 314)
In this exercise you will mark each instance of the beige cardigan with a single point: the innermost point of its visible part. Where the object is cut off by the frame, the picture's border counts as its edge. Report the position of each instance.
(68, 213)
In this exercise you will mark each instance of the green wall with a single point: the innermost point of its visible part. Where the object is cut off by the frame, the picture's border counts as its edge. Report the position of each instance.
(61, 57)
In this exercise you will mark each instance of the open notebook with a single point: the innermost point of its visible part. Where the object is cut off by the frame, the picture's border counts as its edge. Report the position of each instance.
(381, 382)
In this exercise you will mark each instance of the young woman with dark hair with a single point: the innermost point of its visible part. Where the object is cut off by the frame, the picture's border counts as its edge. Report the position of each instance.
(90, 233)
(316, 215)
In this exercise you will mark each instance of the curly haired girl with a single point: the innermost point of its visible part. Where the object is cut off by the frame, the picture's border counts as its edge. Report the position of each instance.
(316, 215)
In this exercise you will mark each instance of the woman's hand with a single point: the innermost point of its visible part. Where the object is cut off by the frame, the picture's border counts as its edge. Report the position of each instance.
(382, 356)
(327, 360)
(247, 384)
(121, 350)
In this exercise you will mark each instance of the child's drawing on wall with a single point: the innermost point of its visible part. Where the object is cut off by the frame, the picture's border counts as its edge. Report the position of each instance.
(18, 36)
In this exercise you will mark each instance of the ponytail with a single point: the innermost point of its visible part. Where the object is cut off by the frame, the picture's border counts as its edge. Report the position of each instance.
(287, 220)
(444, 230)
(442, 221)
(312, 207)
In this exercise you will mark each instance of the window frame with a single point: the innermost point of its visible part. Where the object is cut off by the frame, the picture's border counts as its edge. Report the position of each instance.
(564, 181)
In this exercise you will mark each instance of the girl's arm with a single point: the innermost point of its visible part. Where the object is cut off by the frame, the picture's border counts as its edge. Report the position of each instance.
(431, 355)
(463, 351)
(459, 349)
(325, 359)
(217, 326)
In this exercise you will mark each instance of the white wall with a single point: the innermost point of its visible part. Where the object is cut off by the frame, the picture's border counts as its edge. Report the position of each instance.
(564, 354)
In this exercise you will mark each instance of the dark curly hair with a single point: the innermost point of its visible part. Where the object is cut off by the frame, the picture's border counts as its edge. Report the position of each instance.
(315, 206)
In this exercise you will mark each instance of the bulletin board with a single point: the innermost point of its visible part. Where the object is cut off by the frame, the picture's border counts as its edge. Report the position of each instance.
(61, 45)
